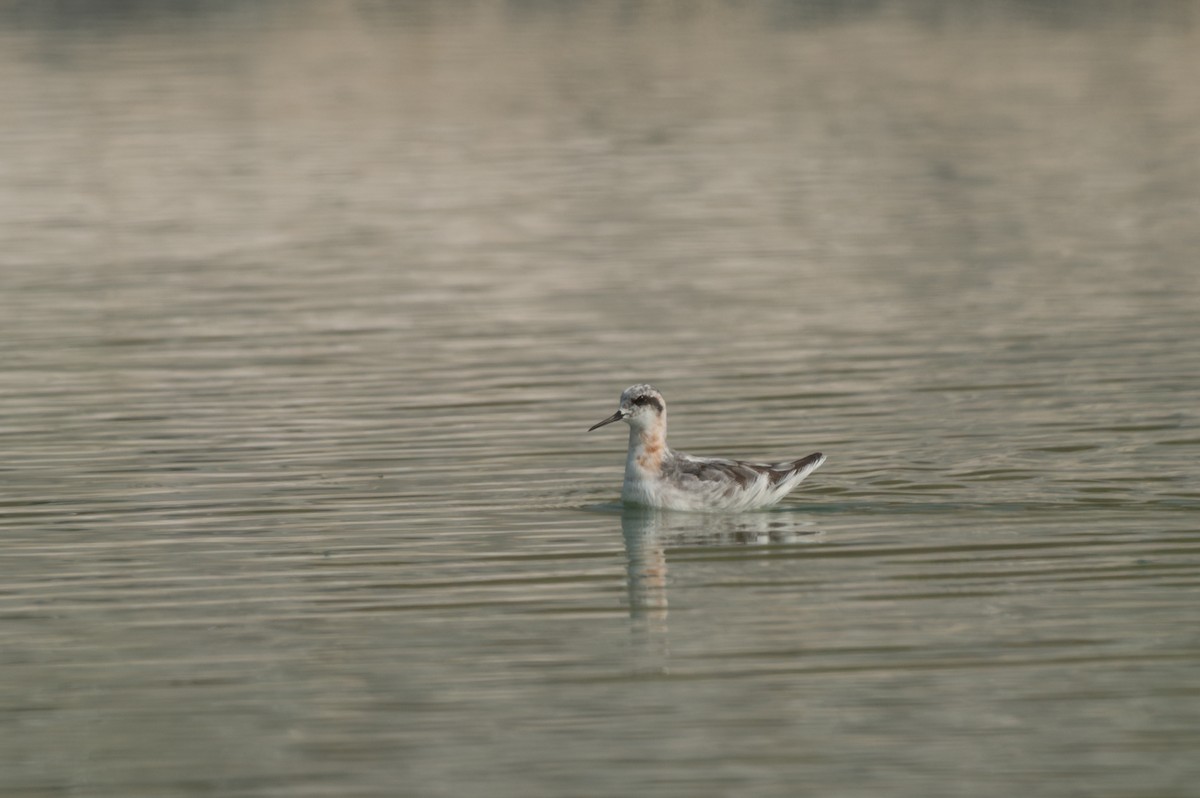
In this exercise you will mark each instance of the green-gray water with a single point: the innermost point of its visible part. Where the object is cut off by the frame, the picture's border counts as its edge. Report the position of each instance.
(305, 308)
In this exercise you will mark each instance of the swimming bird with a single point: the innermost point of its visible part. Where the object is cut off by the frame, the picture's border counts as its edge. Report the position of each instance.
(657, 476)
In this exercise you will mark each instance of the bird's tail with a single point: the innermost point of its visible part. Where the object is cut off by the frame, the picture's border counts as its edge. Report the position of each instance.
(799, 469)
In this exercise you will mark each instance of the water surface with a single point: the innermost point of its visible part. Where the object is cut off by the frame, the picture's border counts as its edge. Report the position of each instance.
(305, 308)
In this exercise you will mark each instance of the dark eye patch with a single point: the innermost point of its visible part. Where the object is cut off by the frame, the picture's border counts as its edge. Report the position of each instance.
(645, 399)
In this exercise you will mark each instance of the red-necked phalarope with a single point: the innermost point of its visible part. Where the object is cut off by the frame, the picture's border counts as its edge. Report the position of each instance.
(656, 476)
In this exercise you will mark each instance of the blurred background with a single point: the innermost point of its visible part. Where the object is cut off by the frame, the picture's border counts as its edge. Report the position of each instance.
(305, 307)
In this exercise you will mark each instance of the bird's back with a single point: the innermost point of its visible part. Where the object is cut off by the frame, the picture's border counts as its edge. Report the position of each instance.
(687, 482)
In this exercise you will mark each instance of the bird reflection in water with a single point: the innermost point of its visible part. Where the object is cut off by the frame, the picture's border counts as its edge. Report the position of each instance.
(649, 532)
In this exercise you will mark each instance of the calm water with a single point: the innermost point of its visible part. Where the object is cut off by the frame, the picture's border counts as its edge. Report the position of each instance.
(305, 308)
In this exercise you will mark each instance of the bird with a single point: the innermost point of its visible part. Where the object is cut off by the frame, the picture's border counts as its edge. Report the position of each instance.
(657, 476)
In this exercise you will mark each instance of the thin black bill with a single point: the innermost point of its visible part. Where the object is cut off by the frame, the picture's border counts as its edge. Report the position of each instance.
(617, 416)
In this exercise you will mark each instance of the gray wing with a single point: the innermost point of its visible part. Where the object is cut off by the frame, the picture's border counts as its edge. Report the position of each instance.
(726, 472)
